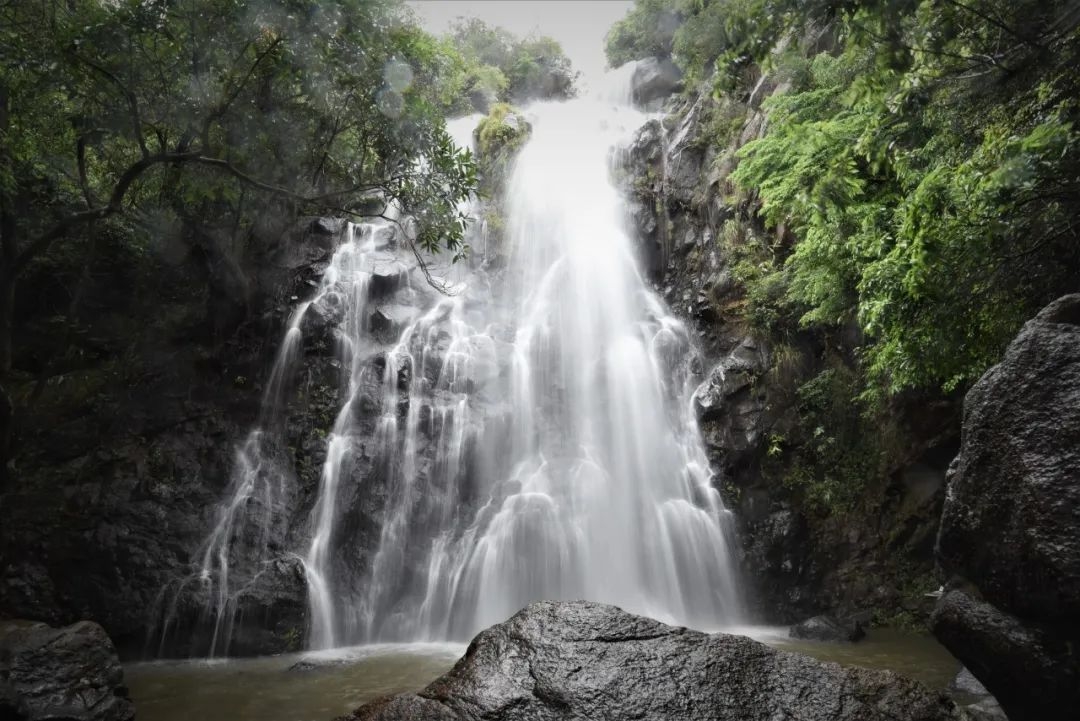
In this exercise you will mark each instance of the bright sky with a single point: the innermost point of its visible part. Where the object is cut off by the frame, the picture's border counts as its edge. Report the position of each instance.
(578, 25)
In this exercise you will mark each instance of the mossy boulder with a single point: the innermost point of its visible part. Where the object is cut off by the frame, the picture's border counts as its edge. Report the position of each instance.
(499, 138)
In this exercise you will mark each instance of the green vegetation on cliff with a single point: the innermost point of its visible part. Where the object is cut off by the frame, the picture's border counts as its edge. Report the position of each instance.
(923, 164)
(499, 136)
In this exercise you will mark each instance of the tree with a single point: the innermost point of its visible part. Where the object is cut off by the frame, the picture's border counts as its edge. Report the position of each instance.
(134, 107)
(106, 108)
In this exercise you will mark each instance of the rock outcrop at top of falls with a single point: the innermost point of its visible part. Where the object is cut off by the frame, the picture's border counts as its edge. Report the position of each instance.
(69, 673)
(654, 79)
(579, 660)
(1010, 532)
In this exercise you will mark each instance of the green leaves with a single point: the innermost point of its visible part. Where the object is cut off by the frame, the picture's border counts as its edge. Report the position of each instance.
(932, 188)
(297, 103)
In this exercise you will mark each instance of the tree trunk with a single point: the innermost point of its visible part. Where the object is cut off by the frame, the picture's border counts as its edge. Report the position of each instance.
(7, 414)
(7, 321)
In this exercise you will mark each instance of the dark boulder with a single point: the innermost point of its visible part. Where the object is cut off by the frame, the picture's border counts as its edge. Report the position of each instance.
(390, 319)
(326, 226)
(323, 316)
(69, 673)
(827, 628)
(1010, 657)
(579, 660)
(388, 274)
(654, 79)
(1010, 529)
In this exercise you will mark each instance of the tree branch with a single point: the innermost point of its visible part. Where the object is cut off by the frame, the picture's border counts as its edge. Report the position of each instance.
(116, 199)
(84, 182)
(129, 95)
(995, 22)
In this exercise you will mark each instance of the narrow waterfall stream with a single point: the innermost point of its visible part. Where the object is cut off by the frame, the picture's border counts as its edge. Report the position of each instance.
(528, 436)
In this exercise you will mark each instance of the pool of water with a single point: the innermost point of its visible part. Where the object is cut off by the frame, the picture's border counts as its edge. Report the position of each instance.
(289, 687)
(318, 687)
(918, 656)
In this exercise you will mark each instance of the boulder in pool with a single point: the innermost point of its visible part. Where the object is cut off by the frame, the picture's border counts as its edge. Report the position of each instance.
(581, 660)
(1010, 530)
(827, 628)
(70, 674)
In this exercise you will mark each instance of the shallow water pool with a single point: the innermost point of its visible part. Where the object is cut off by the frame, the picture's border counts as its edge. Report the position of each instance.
(328, 684)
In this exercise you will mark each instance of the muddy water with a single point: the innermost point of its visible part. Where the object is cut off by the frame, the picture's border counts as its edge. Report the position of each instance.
(917, 656)
(328, 684)
(276, 688)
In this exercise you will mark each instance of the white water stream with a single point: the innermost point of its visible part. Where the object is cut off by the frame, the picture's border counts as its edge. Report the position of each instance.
(533, 434)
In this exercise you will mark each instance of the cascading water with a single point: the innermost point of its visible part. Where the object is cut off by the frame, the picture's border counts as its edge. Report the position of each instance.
(529, 437)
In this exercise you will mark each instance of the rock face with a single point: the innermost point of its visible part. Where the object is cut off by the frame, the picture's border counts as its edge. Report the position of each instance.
(69, 673)
(827, 628)
(1010, 530)
(692, 226)
(654, 79)
(733, 403)
(578, 660)
(121, 465)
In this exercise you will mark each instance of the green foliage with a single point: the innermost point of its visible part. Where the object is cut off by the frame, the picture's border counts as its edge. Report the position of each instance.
(755, 265)
(496, 64)
(648, 30)
(313, 104)
(837, 453)
(499, 136)
(706, 37)
(930, 174)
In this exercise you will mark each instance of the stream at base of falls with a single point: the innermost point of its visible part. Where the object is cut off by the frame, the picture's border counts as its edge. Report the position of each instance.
(321, 685)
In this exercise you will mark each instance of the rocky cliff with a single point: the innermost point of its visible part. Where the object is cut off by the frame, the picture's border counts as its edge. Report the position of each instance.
(126, 443)
(838, 511)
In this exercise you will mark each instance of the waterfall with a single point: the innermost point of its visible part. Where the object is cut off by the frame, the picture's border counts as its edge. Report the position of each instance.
(530, 436)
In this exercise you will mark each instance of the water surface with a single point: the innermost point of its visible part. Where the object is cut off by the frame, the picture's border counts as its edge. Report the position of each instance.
(273, 689)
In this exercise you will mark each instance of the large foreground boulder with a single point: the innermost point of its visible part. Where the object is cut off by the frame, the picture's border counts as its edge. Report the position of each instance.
(579, 660)
(69, 673)
(1010, 531)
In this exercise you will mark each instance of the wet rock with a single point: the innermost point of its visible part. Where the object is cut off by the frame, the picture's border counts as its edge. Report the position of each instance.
(966, 683)
(578, 660)
(389, 320)
(384, 237)
(734, 373)
(69, 673)
(731, 406)
(308, 665)
(322, 317)
(326, 226)
(1009, 656)
(388, 274)
(827, 628)
(1010, 527)
(654, 79)
(986, 710)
